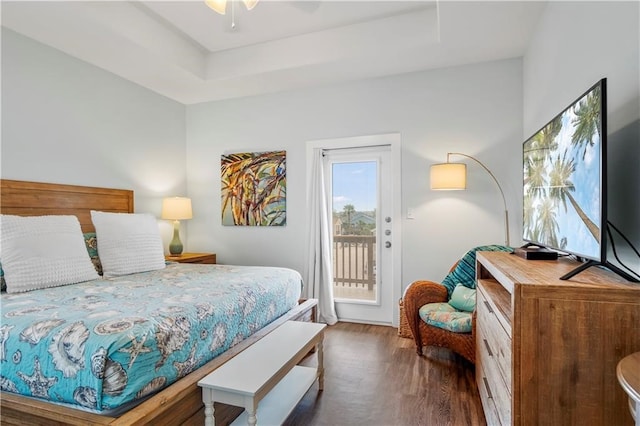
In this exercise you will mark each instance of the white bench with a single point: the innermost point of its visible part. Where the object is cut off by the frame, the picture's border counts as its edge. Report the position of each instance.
(265, 378)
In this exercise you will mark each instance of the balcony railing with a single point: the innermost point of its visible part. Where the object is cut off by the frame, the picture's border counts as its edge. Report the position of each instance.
(354, 261)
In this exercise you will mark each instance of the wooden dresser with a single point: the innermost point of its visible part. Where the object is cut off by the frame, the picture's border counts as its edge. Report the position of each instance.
(547, 349)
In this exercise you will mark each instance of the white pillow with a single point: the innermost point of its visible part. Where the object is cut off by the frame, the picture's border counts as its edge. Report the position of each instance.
(128, 243)
(43, 251)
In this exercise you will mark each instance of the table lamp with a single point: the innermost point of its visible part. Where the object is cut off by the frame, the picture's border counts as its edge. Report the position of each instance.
(176, 209)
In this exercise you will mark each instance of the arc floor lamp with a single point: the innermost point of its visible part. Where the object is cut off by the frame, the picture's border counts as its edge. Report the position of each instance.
(453, 176)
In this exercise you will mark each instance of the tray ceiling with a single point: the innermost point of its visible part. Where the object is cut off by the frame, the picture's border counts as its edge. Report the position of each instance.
(189, 53)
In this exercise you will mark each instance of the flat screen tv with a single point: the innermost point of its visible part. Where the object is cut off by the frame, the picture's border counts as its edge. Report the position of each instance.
(565, 199)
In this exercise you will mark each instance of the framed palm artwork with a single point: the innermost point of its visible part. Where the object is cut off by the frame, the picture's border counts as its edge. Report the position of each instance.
(254, 188)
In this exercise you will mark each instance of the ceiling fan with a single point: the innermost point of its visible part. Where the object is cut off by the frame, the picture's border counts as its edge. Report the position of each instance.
(220, 6)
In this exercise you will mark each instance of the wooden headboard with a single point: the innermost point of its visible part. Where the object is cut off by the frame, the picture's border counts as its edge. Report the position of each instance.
(35, 199)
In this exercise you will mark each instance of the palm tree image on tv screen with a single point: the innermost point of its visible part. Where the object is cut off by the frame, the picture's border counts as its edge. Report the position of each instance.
(562, 180)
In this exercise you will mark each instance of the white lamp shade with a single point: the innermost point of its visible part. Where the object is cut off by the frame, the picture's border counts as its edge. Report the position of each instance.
(176, 208)
(448, 176)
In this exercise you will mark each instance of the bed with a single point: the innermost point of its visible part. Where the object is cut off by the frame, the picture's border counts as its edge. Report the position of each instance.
(177, 403)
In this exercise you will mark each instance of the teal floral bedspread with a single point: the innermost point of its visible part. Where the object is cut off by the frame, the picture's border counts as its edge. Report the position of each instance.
(104, 343)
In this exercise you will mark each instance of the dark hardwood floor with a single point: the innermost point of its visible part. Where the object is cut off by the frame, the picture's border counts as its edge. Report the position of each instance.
(373, 377)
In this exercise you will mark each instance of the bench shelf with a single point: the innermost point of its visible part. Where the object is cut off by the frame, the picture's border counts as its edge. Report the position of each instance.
(265, 378)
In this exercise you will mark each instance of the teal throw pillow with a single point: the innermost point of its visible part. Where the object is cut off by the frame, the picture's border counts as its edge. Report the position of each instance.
(3, 284)
(91, 242)
(463, 298)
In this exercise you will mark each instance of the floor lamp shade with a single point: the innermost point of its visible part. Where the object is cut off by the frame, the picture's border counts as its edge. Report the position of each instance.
(448, 176)
(176, 209)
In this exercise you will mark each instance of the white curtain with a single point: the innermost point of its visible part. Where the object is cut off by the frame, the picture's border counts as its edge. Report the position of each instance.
(319, 276)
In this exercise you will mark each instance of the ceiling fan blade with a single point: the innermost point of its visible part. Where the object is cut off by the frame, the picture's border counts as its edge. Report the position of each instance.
(219, 6)
(250, 4)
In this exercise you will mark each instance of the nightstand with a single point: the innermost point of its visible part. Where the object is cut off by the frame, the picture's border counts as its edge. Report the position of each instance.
(209, 258)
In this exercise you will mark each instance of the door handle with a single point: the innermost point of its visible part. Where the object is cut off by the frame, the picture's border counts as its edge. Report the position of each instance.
(387, 244)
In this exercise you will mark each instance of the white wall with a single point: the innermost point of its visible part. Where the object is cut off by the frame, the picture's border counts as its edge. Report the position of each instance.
(476, 110)
(65, 121)
(575, 45)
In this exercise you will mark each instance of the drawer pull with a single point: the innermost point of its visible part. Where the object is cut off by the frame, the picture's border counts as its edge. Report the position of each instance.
(486, 386)
(488, 347)
(488, 306)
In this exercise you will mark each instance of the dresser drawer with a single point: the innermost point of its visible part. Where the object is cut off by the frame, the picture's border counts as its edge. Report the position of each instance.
(497, 386)
(492, 337)
(484, 389)
(493, 356)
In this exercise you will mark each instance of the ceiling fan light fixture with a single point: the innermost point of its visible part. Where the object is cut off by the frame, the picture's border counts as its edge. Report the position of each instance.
(220, 6)
(250, 4)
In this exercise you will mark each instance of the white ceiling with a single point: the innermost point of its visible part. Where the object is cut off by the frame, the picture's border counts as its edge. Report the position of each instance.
(189, 53)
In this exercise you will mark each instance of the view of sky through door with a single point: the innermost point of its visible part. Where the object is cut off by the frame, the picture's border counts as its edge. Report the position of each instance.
(355, 184)
(354, 205)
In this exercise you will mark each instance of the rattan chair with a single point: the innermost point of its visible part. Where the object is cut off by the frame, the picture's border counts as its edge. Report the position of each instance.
(422, 292)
